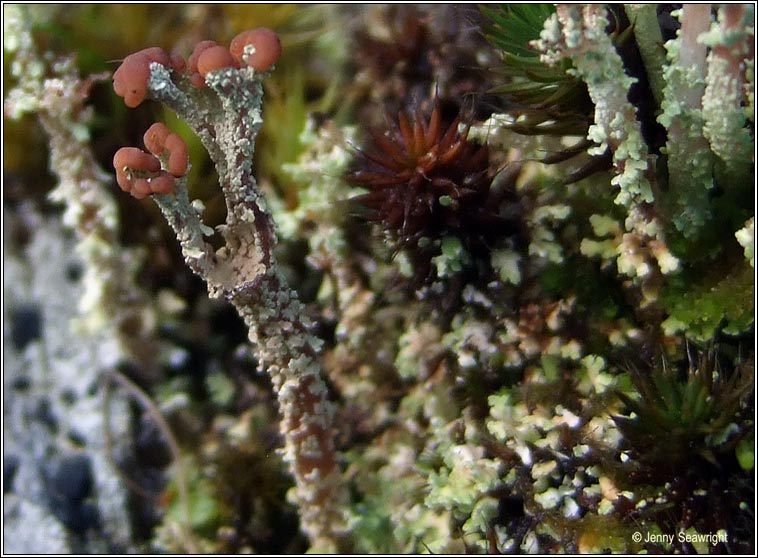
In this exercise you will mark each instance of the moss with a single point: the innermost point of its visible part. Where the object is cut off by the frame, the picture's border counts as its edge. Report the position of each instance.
(714, 302)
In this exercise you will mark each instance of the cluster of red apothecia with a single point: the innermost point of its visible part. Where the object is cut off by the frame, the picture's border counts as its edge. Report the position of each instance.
(140, 173)
(130, 80)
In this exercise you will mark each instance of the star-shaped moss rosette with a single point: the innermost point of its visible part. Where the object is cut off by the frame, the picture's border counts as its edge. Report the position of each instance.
(427, 181)
(685, 413)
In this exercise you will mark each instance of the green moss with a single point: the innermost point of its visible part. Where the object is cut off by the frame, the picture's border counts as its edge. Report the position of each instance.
(716, 302)
(680, 415)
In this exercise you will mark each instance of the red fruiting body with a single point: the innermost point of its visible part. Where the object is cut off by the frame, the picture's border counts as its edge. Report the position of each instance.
(268, 48)
(162, 184)
(130, 79)
(140, 173)
(177, 62)
(425, 180)
(135, 158)
(199, 49)
(135, 170)
(215, 58)
(195, 78)
(178, 159)
(158, 138)
(155, 138)
(140, 187)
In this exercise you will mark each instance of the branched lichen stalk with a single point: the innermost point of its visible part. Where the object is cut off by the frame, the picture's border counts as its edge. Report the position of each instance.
(690, 160)
(730, 40)
(226, 115)
(578, 32)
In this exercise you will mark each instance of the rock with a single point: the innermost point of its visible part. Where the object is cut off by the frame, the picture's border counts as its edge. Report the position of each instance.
(65, 494)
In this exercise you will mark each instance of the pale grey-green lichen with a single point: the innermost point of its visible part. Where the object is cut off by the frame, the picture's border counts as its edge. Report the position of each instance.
(634, 252)
(582, 38)
(746, 237)
(417, 345)
(729, 39)
(507, 264)
(690, 160)
(543, 243)
(226, 116)
(452, 258)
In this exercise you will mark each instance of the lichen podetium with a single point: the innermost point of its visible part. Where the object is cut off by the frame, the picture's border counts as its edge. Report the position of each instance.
(225, 112)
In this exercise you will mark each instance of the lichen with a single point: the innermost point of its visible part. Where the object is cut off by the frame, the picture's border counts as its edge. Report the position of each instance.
(728, 39)
(746, 237)
(479, 322)
(226, 115)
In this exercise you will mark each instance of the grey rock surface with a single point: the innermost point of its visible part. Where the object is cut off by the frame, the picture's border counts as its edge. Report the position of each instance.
(61, 490)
